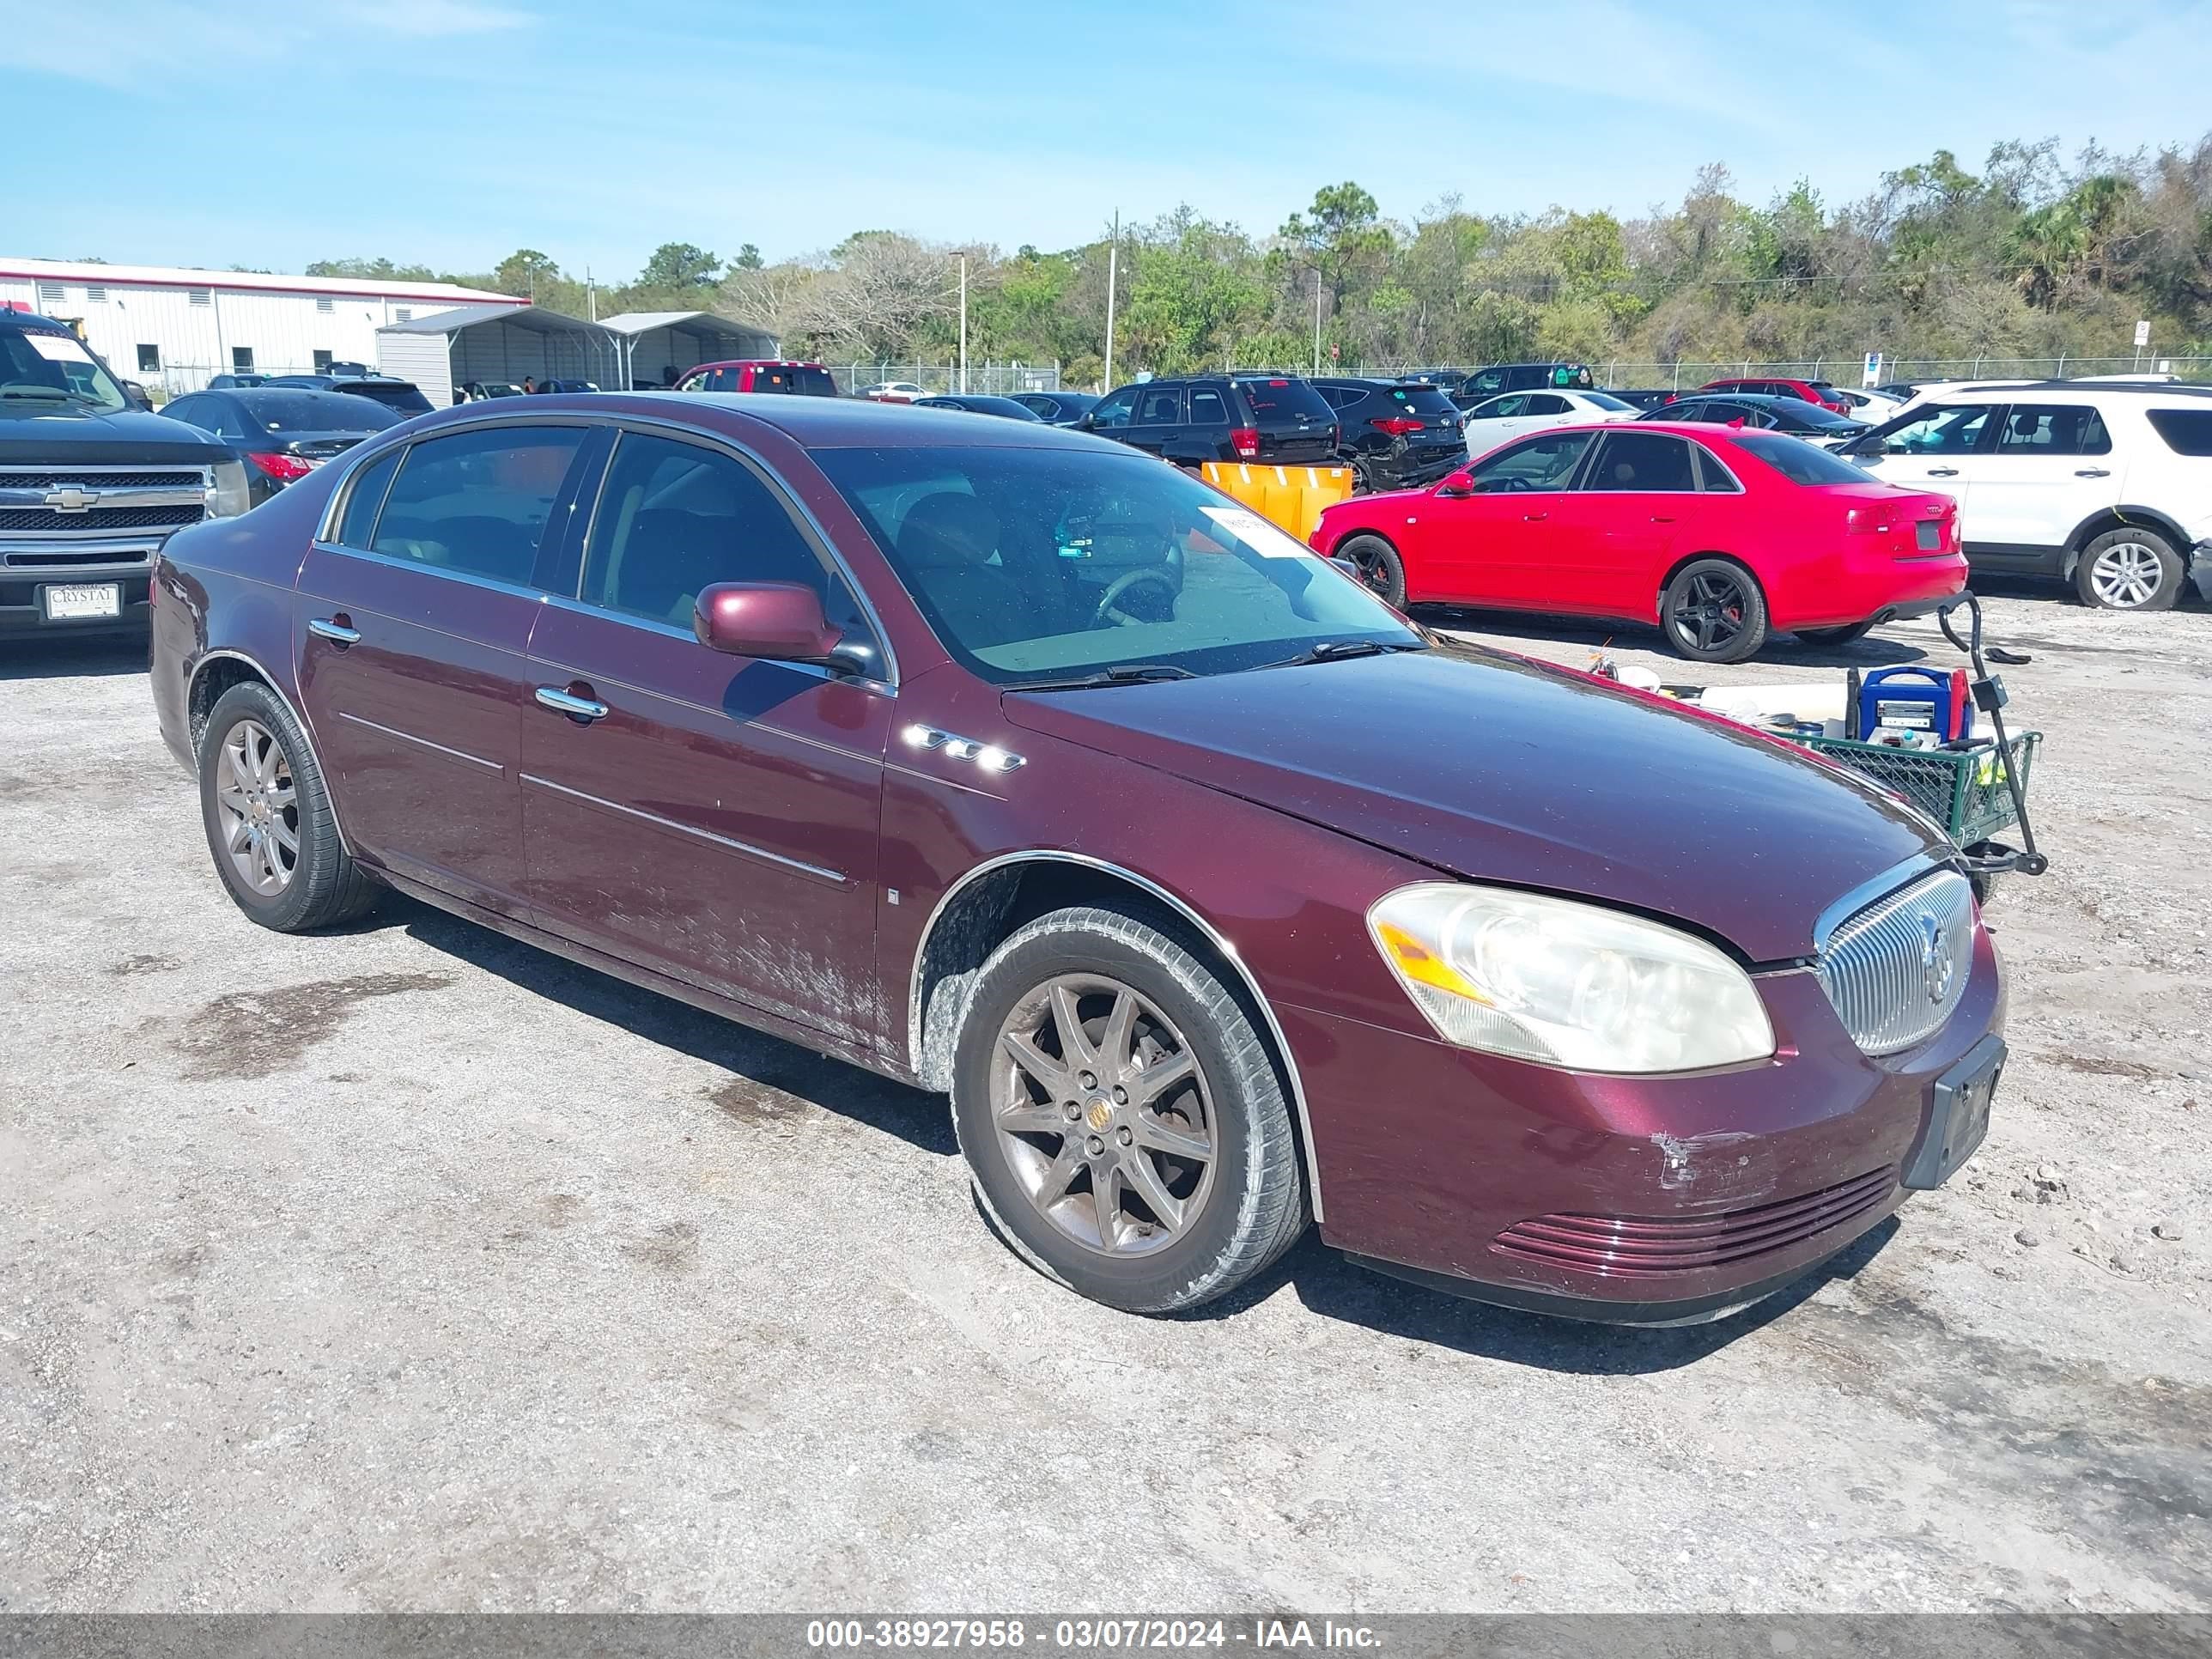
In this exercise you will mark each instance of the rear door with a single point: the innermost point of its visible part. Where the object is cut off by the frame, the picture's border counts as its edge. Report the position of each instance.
(2051, 467)
(1156, 420)
(710, 816)
(1613, 534)
(1479, 549)
(411, 630)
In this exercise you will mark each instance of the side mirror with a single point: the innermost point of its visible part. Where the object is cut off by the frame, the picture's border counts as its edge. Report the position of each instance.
(776, 622)
(1457, 483)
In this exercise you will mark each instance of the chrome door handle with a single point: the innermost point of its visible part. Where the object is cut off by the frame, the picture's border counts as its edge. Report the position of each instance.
(1942, 472)
(1662, 518)
(575, 707)
(2093, 472)
(329, 628)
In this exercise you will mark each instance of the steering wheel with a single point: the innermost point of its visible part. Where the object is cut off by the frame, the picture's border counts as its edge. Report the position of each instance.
(1111, 598)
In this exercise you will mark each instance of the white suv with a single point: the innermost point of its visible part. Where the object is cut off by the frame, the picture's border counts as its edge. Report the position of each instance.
(2109, 487)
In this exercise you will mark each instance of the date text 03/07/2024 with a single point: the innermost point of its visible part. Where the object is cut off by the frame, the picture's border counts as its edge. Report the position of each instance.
(1088, 1633)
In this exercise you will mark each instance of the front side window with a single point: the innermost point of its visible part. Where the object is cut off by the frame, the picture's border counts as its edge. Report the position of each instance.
(1111, 414)
(674, 517)
(1545, 463)
(477, 503)
(1482, 385)
(1644, 462)
(1499, 408)
(1945, 429)
(1045, 564)
(2053, 429)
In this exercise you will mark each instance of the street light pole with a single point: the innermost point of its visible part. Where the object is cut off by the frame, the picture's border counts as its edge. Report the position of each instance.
(963, 323)
(1317, 367)
(1113, 252)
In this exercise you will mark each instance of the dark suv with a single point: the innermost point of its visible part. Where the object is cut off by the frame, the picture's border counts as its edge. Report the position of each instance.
(89, 486)
(1521, 377)
(1395, 437)
(1279, 419)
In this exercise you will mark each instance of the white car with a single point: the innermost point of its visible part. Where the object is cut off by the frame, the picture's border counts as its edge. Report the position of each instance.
(2108, 487)
(891, 391)
(1517, 414)
(1870, 406)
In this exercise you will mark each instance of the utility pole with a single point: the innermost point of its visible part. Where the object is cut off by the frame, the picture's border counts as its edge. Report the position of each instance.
(1113, 252)
(963, 323)
(591, 295)
(1317, 367)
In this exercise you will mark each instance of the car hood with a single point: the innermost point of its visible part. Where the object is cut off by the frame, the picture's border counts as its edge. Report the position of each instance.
(42, 433)
(1496, 768)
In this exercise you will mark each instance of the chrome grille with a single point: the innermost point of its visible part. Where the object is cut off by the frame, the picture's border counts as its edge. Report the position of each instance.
(1895, 970)
(73, 504)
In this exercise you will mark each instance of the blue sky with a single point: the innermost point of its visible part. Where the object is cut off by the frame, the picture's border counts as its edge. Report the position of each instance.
(452, 131)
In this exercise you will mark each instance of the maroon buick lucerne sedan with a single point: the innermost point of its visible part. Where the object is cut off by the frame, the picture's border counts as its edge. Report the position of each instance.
(1010, 763)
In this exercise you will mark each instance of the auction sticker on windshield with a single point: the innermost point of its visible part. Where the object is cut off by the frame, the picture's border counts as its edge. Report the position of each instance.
(1256, 533)
(58, 348)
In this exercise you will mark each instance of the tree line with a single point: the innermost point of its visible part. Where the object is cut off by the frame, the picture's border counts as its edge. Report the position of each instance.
(2035, 254)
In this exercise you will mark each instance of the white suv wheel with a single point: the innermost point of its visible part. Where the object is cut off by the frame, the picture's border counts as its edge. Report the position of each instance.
(2130, 570)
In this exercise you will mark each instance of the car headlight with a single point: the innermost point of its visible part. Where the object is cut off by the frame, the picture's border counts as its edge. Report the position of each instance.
(228, 496)
(1566, 984)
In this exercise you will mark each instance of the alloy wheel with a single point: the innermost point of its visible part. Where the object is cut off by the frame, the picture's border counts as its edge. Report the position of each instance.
(1709, 612)
(258, 801)
(1103, 1115)
(2126, 574)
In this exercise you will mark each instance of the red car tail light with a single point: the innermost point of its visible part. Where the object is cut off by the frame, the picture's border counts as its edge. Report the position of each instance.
(1245, 440)
(1398, 426)
(285, 469)
(1868, 521)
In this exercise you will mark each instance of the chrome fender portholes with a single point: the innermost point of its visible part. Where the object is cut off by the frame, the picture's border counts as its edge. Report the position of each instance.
(988, 756)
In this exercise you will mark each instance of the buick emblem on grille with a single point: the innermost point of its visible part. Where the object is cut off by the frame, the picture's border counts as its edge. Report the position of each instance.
(1934, 960)
(69, 499)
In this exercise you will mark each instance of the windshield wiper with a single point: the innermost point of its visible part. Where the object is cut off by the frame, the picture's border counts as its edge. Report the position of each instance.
(1332, 650)
(1126, 673)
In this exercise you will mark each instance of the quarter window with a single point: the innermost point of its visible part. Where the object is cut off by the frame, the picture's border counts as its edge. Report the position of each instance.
(1643, 461)
(1206, 409)
(2186, 431)
(477, 503)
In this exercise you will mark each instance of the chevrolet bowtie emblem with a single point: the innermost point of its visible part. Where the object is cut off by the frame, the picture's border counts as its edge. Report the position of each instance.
(69, 499)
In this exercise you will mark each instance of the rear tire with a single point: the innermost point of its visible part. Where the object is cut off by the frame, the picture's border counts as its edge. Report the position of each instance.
(267, 814)
(1380, 568)
(1713, 612)
(1828, 638)
(1199, 1175)
(2130, 570)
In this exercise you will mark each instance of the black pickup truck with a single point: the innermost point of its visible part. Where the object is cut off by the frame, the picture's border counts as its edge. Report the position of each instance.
(90, 486)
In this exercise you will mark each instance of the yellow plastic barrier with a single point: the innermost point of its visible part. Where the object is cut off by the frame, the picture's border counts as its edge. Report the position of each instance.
(1291, 497)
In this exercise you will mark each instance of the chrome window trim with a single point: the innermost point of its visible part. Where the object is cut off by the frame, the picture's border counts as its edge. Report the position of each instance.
(355, 459)
(491, 584)
(409, 736)
(744, 847)
(1219, 940)
(307, 731)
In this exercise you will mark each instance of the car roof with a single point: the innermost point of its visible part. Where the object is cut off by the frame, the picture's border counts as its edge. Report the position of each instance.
(2012, 388)
(1769, 398)
(770, 362)
(813, 422)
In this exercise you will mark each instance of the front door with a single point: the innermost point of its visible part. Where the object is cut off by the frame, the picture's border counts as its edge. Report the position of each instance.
(1939, 448)
(1612, 536)
(1480, 549)
(411, 631)
(710, 816)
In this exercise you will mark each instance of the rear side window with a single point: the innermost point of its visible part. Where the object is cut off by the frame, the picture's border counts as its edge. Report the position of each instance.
(1643, 461)
(356, 528)
(477, 503)
(2186, 431)
(674, 517)
(1206, 408)
(1274, 400)
(1160, 408)
(1547, 402)
(2053, 429)
(1798, 461)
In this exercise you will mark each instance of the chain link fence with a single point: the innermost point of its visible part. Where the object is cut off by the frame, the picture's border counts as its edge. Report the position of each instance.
(1849, 371)
(987, 378)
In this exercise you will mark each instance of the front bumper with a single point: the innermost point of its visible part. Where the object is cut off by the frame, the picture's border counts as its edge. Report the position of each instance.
(28, 565)
(1652, 1201)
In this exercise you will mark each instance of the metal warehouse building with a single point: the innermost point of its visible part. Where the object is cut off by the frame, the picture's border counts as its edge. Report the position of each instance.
(174, 328)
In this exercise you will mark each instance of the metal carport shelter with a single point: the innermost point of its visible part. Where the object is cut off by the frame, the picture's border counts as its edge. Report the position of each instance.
(659, 345)
(449, 349)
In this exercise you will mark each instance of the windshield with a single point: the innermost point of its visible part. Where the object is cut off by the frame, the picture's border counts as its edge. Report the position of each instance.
(1606, 400)
(315, 411)
(1048, 564)
(37, 368)
(1799, 461)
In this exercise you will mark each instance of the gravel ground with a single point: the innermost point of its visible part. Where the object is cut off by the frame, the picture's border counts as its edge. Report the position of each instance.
(411, 1268)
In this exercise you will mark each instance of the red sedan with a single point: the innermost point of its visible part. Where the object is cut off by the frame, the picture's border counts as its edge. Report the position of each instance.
(1720, 535)
(1813, 391)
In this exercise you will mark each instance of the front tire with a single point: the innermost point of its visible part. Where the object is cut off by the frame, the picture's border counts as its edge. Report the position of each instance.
(267, 814)
(1123, 1123)
(1379, 566)
(2130, 570)
(1713, 612)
